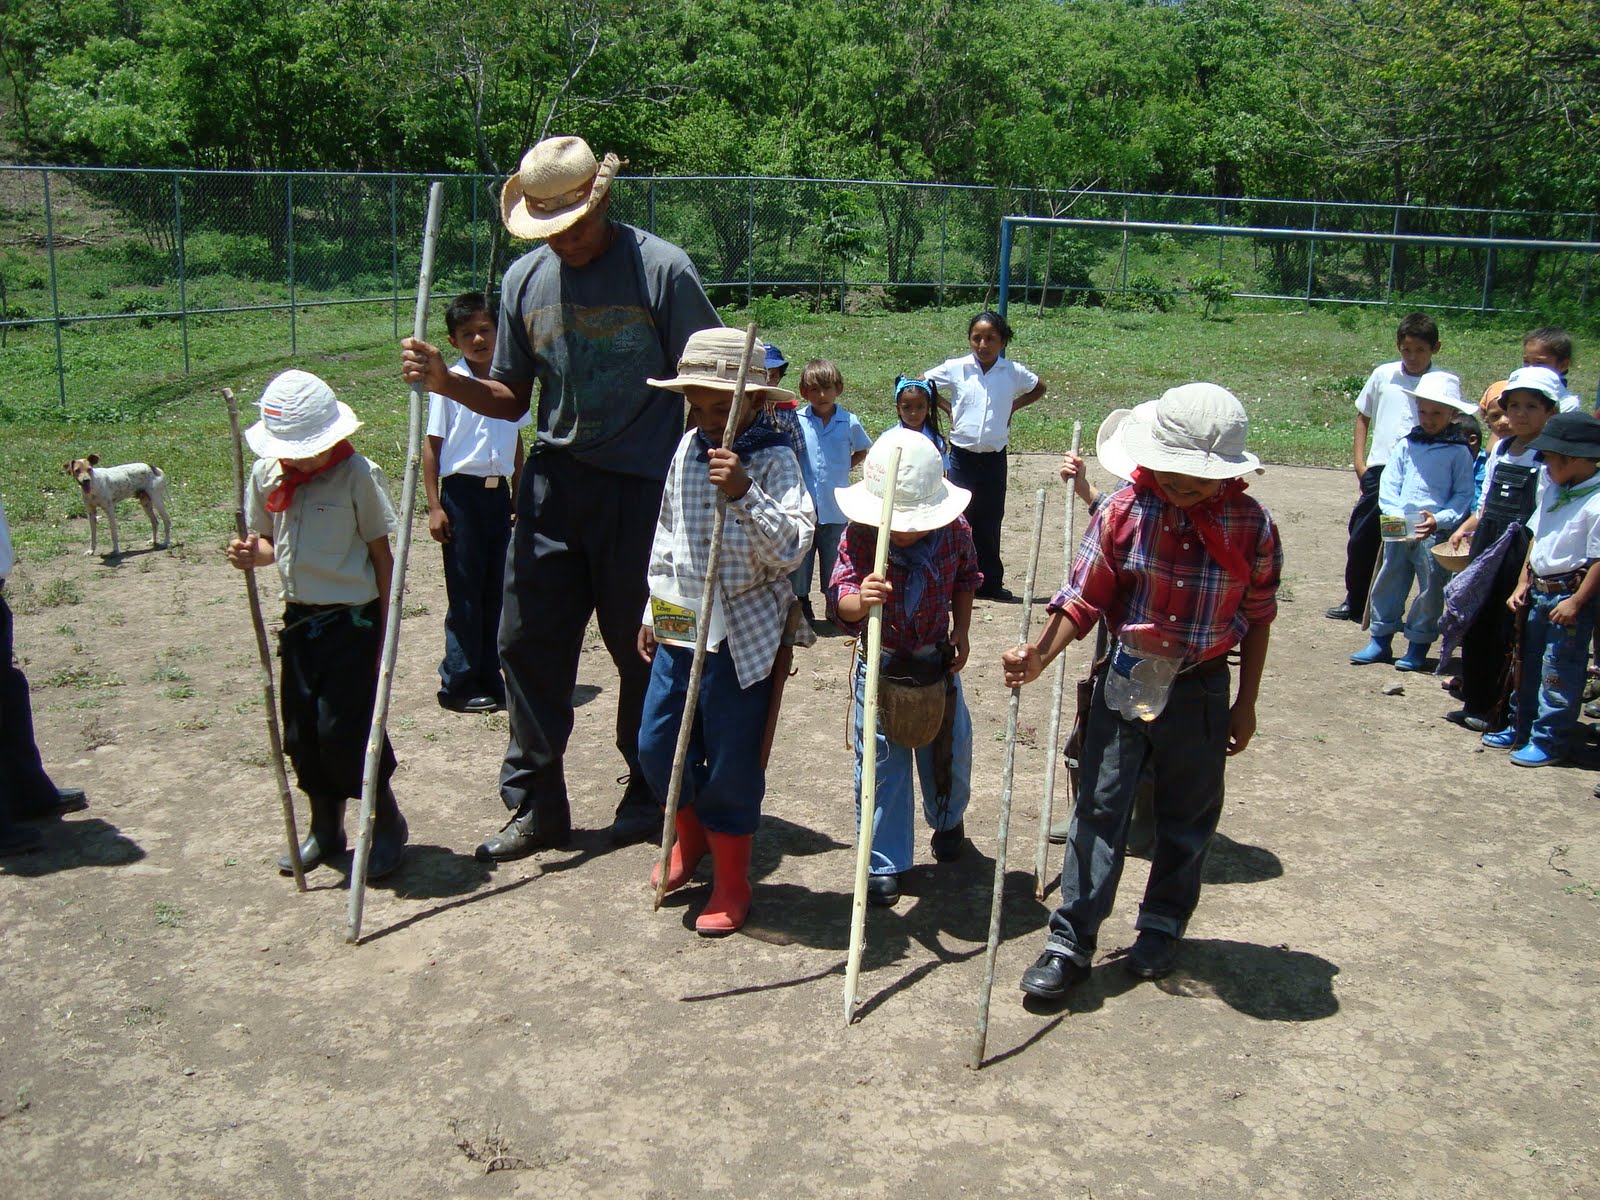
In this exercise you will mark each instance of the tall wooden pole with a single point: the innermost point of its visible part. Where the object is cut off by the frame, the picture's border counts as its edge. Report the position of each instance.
(1041, 850)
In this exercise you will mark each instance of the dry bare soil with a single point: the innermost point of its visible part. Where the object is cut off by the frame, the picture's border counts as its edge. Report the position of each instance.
(1390, 989)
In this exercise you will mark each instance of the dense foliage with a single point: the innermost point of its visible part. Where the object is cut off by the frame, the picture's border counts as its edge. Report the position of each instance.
(1477, 102)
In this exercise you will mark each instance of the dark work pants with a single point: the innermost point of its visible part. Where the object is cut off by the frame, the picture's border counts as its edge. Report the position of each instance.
(1361, 551)
(580, 548)
(474, 580)
(1487, 644)
(329, 683)
(984, 475)
(25, 789)
(1187, 748)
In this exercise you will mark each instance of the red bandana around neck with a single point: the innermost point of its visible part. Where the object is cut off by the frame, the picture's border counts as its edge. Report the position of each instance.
(1203, 516)
(280, 497)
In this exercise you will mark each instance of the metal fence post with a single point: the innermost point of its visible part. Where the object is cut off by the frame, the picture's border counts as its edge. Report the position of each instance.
(288, 241)
(394, 261)
(472, 186)
(1588, 264)
(1394, 249)
(183, 290)
(750, 244)
(944, 226)
(1122, 265)
(1005, 266)
(55, 293)
(1488, 269)
(650, 204)
(1311, 254)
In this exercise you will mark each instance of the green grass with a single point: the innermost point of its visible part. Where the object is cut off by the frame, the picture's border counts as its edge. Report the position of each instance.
(1296, 369)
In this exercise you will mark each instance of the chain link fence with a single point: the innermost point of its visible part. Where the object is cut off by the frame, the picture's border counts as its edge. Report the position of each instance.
(179, 272)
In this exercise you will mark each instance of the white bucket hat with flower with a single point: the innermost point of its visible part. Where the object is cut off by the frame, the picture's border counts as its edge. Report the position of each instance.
(557, 185)
(924, 499)
(1197, 429)
(300, 418)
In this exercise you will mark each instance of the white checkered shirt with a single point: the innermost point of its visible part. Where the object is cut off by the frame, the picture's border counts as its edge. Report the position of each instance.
(767, 532)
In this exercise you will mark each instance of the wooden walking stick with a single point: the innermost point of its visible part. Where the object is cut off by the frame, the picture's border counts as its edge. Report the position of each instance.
(1041, 850)
(264, 652)
(702, 630)
(869, 747)
(982, 1037)
(397, 586)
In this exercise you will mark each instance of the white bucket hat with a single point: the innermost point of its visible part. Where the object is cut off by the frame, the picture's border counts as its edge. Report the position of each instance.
(1442, 388)
(711, 359)
(1107, 445)
(1197, 429)
(557, 185)
(924, 499)
(300, 418)
(1536, 379)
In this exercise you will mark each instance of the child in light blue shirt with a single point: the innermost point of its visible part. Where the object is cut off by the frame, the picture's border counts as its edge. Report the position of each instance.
(835, 443)
(1426, 491)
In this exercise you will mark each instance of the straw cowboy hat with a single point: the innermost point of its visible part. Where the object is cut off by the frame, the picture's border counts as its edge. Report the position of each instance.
(558, 184)
(924, 499)
(1198, 429)
(1442, 388)
(300, 418)
(711, 358)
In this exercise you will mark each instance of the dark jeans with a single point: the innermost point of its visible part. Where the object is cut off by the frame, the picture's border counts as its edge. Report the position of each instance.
(1487, 644)
(580, 548)
(1361, 551)
(25, 789)
(328, 684)
(474, 580)
(1187, 748)
(984, 475)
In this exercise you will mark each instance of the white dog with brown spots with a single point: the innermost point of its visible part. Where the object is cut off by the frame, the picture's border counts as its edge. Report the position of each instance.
(104, 486)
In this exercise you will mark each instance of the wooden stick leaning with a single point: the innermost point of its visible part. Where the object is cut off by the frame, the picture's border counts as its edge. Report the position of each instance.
(702, 630)
(1041, 849)
(264, 652)
(397, 585)
(869, 747)
(982, 1038)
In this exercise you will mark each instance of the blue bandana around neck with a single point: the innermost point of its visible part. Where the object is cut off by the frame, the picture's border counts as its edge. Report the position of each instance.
(917, 561)
(762, 434)
(1448, 436)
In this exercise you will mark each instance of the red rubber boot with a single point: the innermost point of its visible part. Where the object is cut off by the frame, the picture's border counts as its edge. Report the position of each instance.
(730, 885)
(688, 848)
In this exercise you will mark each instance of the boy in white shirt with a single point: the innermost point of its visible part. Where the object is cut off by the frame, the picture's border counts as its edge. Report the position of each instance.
(1557, 590)
(471, 466)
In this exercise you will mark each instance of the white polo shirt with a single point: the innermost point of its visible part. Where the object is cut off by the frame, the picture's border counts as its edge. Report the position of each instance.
(1391, 413)
(1568, 537)
(981, 401)
(472, 444)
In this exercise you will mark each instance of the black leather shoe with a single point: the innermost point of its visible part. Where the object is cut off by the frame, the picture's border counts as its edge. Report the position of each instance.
(947, 844)
(1153, 955)
(1000, 595)
(68, 800)
(1053, 976)
(638, 816)
(472, 704)
(883, 890)
(1340, 612)
(530, 830)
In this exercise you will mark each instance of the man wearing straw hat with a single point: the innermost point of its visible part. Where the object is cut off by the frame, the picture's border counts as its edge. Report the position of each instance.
(590, 315)
(1184, 567)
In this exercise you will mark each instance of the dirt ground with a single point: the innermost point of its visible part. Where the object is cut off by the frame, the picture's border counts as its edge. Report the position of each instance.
(1390, 988)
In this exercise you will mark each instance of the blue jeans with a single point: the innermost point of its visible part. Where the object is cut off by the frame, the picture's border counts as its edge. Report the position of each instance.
(1544, 709)
(892, 824)
(1187, 747)
(474, 582)
(825, 547)
(1401, 563)
(723, 780)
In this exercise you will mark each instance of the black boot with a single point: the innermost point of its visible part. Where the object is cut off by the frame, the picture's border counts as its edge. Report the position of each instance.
(326, 841)
(543, 825)
(389, 836)
(639, 813)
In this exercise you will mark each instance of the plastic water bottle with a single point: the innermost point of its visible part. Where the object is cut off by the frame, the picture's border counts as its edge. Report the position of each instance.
(1143, 667)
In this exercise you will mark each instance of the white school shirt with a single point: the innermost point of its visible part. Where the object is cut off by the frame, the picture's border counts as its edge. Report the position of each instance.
(981, 401)
(1390, 411)
(473, 444)
(1570, 401)
(1567, 538)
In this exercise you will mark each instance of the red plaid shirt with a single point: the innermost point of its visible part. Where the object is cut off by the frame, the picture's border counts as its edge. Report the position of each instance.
(955, 569)
(1141, 562)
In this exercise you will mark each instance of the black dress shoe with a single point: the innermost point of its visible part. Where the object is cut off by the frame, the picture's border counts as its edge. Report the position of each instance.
(68, 800)
(1340, 612)
(1000, 595)
(472, 704)
(947, 844)
(1053, 976)
(883, 890)
(638, 816)
(1153, 955)
(542, 827)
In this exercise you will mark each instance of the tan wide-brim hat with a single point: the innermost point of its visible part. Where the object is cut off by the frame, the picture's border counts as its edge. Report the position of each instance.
(924, 499)
(558, 184)
(300, 418)
(711, 359)
(1107, 446)
(1197, 429)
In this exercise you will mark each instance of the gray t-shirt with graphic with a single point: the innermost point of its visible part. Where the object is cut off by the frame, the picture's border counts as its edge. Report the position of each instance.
(591, 336)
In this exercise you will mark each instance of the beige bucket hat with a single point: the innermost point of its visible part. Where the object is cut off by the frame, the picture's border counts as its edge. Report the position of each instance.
(300, 418)
(557, 185)
(1197, 429)
(710, 359)
(924, 499)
